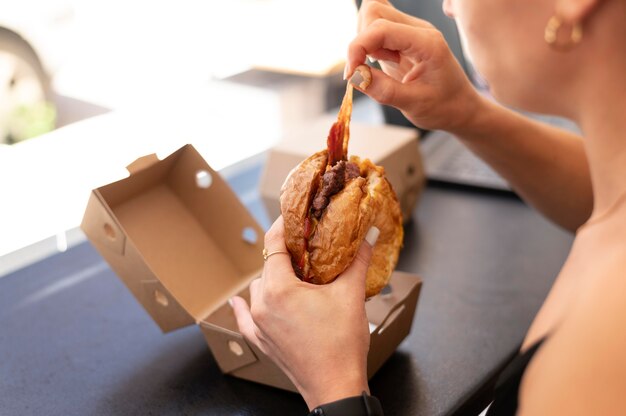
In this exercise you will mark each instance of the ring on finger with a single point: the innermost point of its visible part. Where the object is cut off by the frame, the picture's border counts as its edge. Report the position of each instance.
(267, 254)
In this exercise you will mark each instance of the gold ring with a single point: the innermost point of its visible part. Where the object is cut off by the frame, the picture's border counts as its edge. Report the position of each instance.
(267, 255)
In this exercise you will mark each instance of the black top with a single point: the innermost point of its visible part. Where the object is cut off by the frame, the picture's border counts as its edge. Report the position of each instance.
(507, 389)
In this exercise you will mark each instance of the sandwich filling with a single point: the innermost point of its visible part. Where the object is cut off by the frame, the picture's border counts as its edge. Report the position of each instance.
(331, 179)
(330, 183)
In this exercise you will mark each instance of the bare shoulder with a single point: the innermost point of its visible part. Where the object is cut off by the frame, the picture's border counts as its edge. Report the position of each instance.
(581, 367)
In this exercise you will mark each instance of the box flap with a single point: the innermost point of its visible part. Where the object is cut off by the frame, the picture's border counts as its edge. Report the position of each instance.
(162, 306)
(381, 307)
(142, 163)
(230, 349)
(390, 315)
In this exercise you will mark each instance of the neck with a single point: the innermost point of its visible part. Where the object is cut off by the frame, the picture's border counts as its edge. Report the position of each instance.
(600, 100)
(603, 122)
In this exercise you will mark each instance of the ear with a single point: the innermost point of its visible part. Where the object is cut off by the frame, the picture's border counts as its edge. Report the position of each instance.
(575, 11)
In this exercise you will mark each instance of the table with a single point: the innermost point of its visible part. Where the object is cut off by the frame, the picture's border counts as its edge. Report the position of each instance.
(73, 340)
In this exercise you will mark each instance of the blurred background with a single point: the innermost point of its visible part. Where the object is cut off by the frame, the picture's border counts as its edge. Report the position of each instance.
(88, 86)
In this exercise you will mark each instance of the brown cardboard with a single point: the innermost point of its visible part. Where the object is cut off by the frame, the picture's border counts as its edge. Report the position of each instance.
(393, 147)
(183, 244)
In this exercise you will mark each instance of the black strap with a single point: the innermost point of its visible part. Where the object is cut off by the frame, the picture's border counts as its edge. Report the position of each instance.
(363, 405)
(506, 393)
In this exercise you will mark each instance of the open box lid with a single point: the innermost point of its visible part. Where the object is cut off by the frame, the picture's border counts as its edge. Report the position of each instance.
(177, 235)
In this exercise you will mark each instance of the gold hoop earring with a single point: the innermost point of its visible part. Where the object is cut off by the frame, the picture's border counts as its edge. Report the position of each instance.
(551, 35)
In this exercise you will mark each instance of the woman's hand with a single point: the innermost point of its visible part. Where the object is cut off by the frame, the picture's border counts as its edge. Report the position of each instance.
(318, 335)
(419, 76)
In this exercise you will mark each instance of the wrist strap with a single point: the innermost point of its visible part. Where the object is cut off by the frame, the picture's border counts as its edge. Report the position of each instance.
(363, 405)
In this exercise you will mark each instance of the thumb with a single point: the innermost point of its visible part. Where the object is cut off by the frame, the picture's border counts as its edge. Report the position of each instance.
(383, 88)
(356, 273)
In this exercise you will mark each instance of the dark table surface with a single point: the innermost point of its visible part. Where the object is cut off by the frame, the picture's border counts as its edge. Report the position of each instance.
(73, 340)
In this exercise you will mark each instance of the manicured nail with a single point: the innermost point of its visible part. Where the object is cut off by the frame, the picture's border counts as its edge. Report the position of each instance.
(230, 302)
(356, 79)
(372, 236)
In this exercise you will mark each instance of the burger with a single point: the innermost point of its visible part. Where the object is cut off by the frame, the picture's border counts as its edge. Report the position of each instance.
(330, 201)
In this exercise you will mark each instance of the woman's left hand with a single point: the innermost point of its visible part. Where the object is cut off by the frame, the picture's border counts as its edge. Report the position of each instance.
(318, 335)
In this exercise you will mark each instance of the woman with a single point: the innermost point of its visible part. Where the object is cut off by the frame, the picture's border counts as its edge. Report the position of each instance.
(561, 57)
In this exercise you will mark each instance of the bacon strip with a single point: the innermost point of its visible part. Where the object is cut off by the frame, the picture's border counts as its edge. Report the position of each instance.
(339, 135)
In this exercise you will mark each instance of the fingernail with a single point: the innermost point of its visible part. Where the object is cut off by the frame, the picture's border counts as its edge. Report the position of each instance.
(230, 302)
(356, 79)
(345, 72)
(372, 236)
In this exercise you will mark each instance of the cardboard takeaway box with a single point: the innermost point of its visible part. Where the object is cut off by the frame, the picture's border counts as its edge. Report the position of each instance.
(393, 147)
(179, 238)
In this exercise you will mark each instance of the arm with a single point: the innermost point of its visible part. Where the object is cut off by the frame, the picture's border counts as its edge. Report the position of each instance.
(546, 166)
(420, 77)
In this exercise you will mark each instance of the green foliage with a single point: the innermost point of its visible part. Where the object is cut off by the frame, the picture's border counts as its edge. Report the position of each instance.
(29, 121)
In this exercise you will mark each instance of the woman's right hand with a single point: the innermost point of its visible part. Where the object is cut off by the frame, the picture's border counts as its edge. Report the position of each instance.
(420, 76)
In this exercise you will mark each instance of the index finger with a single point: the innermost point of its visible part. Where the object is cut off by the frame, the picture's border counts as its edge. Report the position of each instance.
(278, 261)
(372, 10)
(415, 42)
(365, 10)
